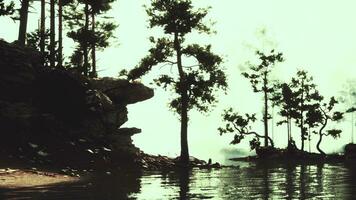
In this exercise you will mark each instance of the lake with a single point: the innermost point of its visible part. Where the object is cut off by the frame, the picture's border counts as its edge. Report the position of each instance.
(250, 181)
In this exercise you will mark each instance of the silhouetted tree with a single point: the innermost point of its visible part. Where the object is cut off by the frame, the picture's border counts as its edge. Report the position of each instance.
(6, 9)
(195, 85)
(260, 81)
(304, 93)
(283, 97)
(60, 33)
(241, 126)
(61, 4)
(320, 115)
(52, 35)
(89, 38)
(102, 31)
(77, 19)
(43, 27)
(23, 22)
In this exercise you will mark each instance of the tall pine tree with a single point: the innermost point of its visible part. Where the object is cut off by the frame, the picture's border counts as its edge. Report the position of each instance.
(261, 83)
(194, 85)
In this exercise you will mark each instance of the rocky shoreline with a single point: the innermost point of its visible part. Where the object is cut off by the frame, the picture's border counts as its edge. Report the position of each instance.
(57, 119)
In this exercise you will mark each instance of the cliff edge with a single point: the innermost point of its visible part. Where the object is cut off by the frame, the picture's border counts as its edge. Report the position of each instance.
(56, 117)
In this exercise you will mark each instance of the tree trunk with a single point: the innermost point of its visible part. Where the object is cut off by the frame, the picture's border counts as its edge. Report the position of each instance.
(184, 155)
(23, 22)
(309, 139)
(60, 32)
(272, 123)
(318, 144)
(302, 117)
(265, 115)
(52, 44)
(352, 127)
(43, 27)
(93, 48)
(288, 130)
(321, 137)
(85, 46)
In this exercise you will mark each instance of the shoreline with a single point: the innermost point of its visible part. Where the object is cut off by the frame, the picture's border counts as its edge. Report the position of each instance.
(23, 178)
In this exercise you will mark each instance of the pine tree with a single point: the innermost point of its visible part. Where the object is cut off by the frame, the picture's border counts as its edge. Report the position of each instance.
(261, 83)
(43, 27)
(23, 22)
(305, 94)
(52, 35)
(194, 85)
(90, 34)
(320, 115)
(104, 31)
(283, 97)
(61, 4)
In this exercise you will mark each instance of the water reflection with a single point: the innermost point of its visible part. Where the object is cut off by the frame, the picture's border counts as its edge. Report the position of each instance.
(257, 181)
(254, 181)
(101, 186)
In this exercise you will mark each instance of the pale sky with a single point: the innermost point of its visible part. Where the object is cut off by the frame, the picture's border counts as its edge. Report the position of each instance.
(318, 36)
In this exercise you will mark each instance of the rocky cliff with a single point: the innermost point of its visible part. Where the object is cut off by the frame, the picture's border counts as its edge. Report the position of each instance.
(54, 116)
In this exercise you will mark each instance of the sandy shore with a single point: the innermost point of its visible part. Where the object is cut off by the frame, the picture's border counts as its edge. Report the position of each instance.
(13, 178)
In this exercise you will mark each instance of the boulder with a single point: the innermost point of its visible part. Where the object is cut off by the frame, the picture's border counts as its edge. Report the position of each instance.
(122, 91)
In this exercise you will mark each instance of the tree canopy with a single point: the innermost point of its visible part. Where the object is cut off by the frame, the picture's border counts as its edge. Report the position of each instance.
(195, 85)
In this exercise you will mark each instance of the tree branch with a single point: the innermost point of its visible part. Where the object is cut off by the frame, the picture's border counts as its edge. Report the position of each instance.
(260, 136)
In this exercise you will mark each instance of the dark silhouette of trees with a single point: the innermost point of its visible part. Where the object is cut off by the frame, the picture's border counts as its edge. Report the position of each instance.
(195, 85)
(104, 31)
(23, 22)
(283, 97)
(6, 9)
(305, 95)
(241, 126)
(294, 99)
(60, 33)
(90, 34)
(260, 81)
(61, 5)
(320, 115)
(52, 35)
(42, 44)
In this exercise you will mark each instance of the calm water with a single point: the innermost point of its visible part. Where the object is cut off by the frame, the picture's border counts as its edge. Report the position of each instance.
(250, 181)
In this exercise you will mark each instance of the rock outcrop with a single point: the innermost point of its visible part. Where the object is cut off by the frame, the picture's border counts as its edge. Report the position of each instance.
(56, 116)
